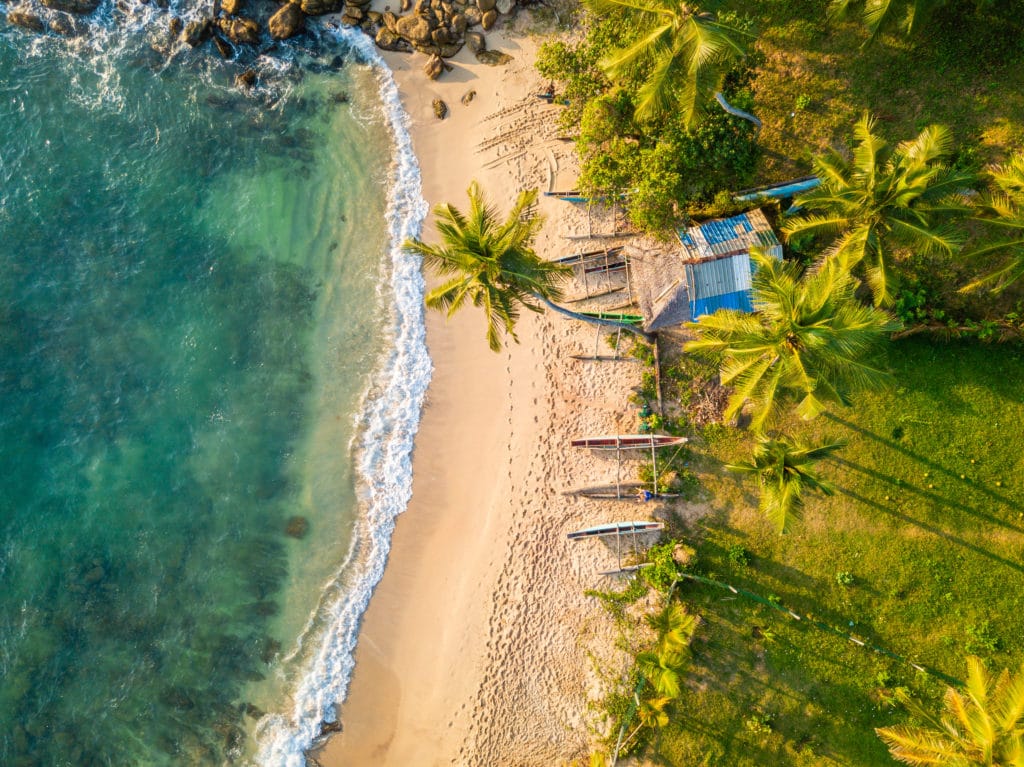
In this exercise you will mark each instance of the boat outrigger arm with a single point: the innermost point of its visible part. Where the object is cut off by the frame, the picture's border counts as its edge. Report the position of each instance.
(734, 111)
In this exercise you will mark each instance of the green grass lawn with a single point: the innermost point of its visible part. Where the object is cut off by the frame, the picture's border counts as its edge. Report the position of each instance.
(812, 80)
(928, 520)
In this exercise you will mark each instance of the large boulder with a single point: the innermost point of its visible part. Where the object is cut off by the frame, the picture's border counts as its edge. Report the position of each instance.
(414, 28)
(390, 41)
(488, 19)
(440, 36)
(459, 25)
(390, 20)
(320, 7)
(174, 27)
(231, 7)
(72, 6)
(434, 67)
(440, 109)
(476, 42)
(486, 5)
(24, 17)
(473, 15)
(197, 32)
(505, 7)
(287, 22)
(240, 31)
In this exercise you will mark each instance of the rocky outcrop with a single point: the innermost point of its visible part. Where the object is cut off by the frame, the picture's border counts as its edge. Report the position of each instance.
(24, 17)
(78, 7)
(240, 30)
(287, 22)
(174, 27)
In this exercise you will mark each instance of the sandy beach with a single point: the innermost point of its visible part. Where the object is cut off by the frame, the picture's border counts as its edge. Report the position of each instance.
(479, 646)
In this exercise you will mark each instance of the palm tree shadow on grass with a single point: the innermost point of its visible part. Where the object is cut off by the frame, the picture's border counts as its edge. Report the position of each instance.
(928, 527)
(927, 495)
(893, 445)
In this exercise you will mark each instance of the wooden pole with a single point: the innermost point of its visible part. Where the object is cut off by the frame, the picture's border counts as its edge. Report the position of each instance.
(657, 377)
(654, 465)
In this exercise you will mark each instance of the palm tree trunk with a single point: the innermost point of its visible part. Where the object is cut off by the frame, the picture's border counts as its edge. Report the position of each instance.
(734, 111)
(592, 320)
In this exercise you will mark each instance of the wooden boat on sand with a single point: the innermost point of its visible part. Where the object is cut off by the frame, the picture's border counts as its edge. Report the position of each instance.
(628, 441)
(615, 528)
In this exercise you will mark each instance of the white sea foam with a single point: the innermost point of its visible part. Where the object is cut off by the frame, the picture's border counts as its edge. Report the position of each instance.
(384, 455)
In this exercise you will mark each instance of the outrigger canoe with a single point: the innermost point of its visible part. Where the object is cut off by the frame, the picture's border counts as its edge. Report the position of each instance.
(615, 528)
(628, 441)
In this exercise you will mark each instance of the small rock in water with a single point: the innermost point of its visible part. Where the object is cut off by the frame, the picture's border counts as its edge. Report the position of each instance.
(222, 47)
(246, 80)
(341, 97)
(297, 527)
(93, 576)
(254, 711)
(440, 109)
(468, 96)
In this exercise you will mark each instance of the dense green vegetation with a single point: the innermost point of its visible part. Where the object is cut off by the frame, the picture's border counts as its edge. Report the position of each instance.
(920, 549)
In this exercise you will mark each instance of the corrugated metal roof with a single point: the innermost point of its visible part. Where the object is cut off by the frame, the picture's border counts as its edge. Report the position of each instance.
(740, 300)
(717, 261)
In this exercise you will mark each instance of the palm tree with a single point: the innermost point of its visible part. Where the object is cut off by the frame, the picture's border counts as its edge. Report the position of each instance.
(983, 724)
(689, 53)
(663, 667)
(1005, 210)
(784, 469)
(885, 199)
(493, 265)
(809, 339)
(906, 15)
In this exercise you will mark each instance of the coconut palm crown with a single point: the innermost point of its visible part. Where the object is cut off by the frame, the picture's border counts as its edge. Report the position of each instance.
(809, 339)
(885, 200)
(489, 263)
(982, 724)
(785, 469)
(689, 53)
(1005, 210)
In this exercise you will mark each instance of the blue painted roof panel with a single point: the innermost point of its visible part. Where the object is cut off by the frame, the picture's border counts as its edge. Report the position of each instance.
(739, 300)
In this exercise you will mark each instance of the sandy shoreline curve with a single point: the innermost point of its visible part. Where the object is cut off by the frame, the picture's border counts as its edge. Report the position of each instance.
(479, 646)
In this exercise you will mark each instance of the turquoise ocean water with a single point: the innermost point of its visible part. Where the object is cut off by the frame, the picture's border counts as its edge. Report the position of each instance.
(205, 333)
